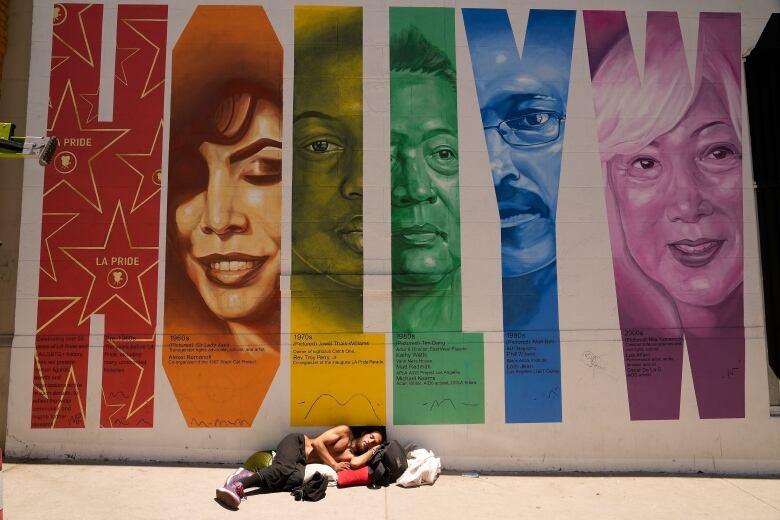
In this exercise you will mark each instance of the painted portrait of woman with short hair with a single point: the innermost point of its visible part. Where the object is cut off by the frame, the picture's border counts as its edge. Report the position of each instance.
(671, 151)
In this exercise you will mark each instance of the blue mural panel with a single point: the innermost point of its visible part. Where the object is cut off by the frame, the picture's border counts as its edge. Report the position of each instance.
(523, 107)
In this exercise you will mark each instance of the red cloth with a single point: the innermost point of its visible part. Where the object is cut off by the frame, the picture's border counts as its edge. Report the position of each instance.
(353, 477)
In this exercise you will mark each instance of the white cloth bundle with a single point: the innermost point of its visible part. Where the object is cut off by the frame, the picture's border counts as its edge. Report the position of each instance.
(423, 467)
(327, 472)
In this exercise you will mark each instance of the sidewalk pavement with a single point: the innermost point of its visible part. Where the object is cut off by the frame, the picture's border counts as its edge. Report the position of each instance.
(86, 492)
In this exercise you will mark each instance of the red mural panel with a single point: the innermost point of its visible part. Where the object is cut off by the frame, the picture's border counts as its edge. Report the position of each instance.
(100, 223)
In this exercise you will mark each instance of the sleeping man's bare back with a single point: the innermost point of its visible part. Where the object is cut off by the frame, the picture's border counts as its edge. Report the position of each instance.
(340, 450)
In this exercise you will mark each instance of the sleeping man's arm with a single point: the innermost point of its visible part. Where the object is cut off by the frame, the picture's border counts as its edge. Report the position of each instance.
(358, 461)
(326, 442)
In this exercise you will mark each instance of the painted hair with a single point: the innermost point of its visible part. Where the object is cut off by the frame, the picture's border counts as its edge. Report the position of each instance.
(411, 51)
(630, 115)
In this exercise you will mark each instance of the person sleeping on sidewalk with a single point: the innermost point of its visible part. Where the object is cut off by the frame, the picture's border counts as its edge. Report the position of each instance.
(337, 447)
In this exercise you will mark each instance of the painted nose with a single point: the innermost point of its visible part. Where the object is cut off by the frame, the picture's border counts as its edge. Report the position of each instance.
(220, 215)
(687, 201)
(411, 183)
(502, 168)
(351, 187)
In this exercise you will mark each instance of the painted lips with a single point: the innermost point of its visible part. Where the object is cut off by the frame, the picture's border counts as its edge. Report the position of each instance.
(352, 234)
(232, 270)
(420, 235)
(521, 207)
(695, 253)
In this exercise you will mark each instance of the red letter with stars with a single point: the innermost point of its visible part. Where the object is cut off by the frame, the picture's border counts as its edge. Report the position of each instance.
(100, 228)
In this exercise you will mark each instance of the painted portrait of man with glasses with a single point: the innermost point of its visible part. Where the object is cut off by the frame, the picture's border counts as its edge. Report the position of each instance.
(522, 102)
(523, 108)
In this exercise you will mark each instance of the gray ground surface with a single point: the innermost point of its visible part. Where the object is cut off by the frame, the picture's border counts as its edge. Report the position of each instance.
(55, 491)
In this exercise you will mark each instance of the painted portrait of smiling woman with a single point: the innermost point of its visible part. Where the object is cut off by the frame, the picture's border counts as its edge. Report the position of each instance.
(672, 158)
(222, 301)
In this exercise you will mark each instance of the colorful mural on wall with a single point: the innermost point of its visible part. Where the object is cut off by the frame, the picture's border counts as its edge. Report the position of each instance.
(438, 370)
(522, 101)
(337, 373)
(670, 150)
(222, 298)
(672, 160)
(100, 219)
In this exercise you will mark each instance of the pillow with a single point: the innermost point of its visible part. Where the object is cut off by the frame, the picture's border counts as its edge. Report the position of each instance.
(326, 471)
(354, 477)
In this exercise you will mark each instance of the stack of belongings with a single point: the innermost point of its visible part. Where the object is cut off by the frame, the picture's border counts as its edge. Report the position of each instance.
(407, 467)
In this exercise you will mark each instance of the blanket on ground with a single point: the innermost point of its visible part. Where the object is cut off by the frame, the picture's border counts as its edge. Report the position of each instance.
(423, 467)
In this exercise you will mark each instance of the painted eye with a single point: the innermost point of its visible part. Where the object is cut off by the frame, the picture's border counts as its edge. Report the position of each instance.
(443, 160)
(536, 119)
(645, 163)
(720, 158)
(720, 153)
(264, 171)
(529, 121)
(323, 146)
(642, 167)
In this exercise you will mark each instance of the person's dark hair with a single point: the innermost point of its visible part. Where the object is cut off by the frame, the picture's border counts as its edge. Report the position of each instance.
(411, 51)
(358, 431)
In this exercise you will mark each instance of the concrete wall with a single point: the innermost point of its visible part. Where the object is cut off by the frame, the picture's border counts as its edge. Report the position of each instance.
(13, 103)
(596, 432)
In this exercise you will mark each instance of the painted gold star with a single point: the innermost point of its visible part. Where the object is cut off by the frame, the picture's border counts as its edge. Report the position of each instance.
(41, 387)
(149, 85)
(52, 307)
(116, 269)
(84, 52)
(92, 101)
(56, 61)
(71, 379)
(55, 221)
(131, 408)
(126, 54)
(147, 166)
(67, 123)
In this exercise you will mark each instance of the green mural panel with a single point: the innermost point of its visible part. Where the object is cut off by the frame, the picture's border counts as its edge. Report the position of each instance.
(439, 378)
(438, 369)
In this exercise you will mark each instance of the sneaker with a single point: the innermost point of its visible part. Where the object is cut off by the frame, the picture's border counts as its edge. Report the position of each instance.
(239, 474)
(231, 495)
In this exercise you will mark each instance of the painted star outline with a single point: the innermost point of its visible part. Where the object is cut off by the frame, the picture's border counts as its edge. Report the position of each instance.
(145, 316)
(131, 410)
(88, 58)
(132, 52)
(68, 92)
(124, 157)
(53, 273)
(147, 89)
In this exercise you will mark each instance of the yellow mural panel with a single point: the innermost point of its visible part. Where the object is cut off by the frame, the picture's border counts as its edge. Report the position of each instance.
(337, 379)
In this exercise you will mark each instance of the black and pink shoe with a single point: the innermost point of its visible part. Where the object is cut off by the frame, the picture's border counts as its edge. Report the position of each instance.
(239, 474)
(231, 495)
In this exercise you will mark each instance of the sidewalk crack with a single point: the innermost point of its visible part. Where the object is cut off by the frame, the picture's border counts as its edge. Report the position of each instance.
(751, 494)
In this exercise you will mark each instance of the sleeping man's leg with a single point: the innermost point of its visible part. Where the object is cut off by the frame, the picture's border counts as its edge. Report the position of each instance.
(284, 474)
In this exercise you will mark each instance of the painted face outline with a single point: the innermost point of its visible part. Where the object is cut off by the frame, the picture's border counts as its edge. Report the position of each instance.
(525, 177)
(229, 234)
(327, 232)
(424, 191)
(680, 204)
